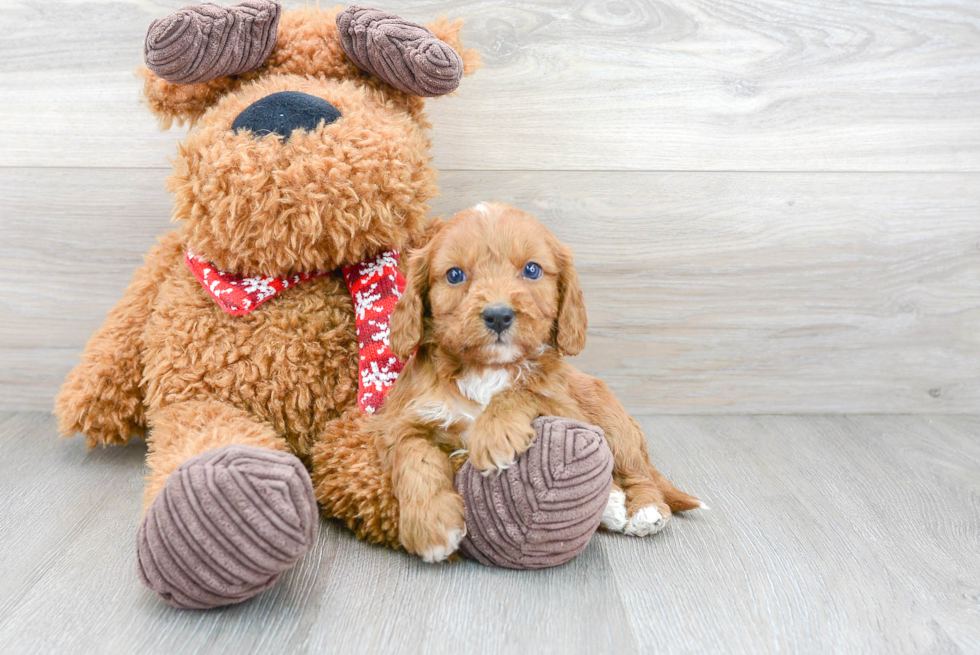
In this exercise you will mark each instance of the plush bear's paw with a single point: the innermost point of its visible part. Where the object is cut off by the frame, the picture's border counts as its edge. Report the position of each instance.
(543, 510)
(225, 526)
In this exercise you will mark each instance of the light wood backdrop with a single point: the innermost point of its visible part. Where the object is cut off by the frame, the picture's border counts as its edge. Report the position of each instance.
(775, 205)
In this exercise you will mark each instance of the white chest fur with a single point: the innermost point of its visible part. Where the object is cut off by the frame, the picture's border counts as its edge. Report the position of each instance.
(481, 388)
(477, 388)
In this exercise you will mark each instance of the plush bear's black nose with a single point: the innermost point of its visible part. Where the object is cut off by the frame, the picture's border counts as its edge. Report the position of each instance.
(498, 317)
(283, 112)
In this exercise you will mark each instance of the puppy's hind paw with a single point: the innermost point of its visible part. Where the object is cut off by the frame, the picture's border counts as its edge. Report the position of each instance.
(645, 522)
(614, 516)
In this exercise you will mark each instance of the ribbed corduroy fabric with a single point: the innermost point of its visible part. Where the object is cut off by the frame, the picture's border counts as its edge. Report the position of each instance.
(406, 55)
(543, 510)
(204, 42)
(225, 525)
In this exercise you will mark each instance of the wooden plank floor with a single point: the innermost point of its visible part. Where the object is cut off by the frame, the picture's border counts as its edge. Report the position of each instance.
(826, 534)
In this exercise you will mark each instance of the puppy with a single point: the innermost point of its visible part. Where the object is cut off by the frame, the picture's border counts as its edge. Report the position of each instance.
(491, 308)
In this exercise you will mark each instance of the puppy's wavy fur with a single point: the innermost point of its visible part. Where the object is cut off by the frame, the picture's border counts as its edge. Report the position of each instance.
(468, 388)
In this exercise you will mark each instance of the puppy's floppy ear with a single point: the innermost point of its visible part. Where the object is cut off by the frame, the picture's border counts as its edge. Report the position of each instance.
(572, 321)
(408, 317)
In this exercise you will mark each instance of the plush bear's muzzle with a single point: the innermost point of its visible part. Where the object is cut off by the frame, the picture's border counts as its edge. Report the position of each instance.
(281, 113)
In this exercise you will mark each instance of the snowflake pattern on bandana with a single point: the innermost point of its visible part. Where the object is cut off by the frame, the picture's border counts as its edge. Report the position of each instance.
(375, 286)
(239, 295)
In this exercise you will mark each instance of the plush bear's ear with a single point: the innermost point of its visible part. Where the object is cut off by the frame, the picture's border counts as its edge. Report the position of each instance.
(197, 54)
(450, 32)
(405, 55)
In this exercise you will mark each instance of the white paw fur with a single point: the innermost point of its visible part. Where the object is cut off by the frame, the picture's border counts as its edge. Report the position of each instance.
(440, 553)
(646, 521)
(614, 516)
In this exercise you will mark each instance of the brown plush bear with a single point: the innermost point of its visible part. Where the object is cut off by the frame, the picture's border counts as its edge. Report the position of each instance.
(237, 346)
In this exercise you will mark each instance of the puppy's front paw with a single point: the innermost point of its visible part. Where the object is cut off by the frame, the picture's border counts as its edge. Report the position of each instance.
(433, 529)
(494, 445)
(440, 553)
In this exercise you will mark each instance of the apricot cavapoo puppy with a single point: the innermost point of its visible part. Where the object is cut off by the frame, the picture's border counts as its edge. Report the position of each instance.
(491, 308)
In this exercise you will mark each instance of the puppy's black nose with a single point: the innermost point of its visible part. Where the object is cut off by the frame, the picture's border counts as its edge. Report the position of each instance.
(283, 112)
(498, 317)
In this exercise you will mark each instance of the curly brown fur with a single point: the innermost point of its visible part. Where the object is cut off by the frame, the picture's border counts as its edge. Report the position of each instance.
(168, 359)
(182, 103)
(470, 388)
(315, 201)
(291, 363)
(101, 397)
(350, 482)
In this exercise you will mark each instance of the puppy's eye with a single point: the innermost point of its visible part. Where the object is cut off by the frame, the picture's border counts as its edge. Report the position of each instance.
(455, 276)
(532, 271)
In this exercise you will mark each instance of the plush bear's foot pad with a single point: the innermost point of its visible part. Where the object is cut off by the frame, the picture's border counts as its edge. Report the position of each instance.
(543, 510)
(406, 55)
(225, 525)
(204, 42)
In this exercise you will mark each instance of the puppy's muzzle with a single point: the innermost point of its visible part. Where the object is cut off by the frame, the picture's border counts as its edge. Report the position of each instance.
(498, 317)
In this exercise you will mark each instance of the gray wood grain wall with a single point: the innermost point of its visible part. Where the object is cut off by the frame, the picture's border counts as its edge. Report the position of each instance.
(775, 206)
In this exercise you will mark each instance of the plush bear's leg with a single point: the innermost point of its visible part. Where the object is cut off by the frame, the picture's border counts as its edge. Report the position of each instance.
(227, 508)
(543, 510)
(540, 512)
(350, 482)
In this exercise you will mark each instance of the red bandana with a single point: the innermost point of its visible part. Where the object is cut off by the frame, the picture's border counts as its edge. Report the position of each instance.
(239, 295)
(375, 285)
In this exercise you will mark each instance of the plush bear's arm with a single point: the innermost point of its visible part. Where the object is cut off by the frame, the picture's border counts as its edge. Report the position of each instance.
(350, 481)
(101, 397)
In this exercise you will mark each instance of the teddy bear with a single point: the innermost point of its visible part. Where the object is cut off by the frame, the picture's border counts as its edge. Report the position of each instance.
(254, 337)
